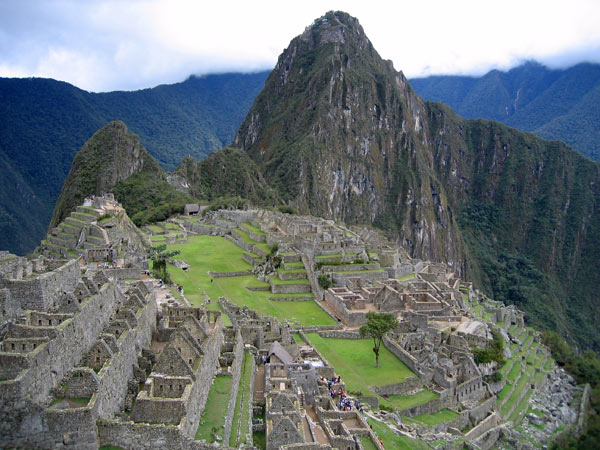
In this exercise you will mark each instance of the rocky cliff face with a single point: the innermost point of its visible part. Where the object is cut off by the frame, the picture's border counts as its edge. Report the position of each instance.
(340, 134)
(111, 155)
(227, 172)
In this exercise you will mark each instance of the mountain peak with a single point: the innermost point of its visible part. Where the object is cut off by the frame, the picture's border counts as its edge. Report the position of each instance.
(334, 27)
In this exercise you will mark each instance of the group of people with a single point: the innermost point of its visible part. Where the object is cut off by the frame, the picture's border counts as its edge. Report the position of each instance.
(345, 403)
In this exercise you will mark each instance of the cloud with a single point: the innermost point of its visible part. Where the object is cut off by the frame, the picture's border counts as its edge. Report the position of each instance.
(116, 44)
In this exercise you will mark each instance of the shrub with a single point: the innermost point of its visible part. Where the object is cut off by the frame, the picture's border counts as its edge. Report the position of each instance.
(324, 281)
(286, 209)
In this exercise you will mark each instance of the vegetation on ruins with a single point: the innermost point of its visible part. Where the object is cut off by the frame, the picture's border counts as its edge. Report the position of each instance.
(159, 256)
(585, 368)
(495, 352)
(324, 281)
(377, 326)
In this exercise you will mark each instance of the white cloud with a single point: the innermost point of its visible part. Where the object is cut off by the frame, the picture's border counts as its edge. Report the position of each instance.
(106, 45)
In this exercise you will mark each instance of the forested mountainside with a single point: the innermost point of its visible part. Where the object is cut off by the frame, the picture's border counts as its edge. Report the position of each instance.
(338, 132)
(561, 104)
(43, 123)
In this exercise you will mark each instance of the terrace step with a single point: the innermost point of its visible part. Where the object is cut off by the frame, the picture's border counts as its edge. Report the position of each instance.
(84, 217)
(74, 222)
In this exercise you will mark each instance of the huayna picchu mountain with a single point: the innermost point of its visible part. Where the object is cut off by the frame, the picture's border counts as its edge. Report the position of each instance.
(338, 132)
(114, 160)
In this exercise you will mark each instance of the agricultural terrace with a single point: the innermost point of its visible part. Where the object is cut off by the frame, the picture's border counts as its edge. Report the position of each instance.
(216, 254)
(355, 362)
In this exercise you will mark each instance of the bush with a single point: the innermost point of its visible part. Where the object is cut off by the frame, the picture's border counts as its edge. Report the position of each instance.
(493, 353)
(286, 209)
(324, 281)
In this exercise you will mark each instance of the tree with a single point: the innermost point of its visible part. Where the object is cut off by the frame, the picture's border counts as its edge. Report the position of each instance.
(378, 324)
(159, 256)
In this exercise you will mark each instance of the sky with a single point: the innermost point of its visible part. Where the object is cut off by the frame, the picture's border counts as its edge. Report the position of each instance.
(105, 45)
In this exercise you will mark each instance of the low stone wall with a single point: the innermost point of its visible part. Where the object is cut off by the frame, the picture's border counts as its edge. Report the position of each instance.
(246, 246)
(284, 276)
(230, 274)
(250, 259)
(430, 407)
(402, 354)
(481, 411)
(122, 274)
(484, 426)
(257, 237)
(349, 267)
(410, 384)
(289, 288)
(489, 438)
(210, 230)
(340, 278)
(307, 298)
(340, 334)
(130, 435)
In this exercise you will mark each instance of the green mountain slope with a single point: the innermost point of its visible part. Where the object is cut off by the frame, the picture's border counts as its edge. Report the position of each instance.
(114, 160)
(555, 104)
(339, 133)
(43, 123)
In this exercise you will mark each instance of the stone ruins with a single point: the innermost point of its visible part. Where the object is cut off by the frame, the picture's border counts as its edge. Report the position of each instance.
(93, 354)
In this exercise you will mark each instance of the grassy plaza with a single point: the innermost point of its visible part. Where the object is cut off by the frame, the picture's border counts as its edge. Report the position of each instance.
(216, 254)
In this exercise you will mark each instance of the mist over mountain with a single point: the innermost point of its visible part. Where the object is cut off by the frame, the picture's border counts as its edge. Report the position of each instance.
(43, 123)
(561, 104)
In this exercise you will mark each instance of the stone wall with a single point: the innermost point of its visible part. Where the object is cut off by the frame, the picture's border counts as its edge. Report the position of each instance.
(22, 421)
(206, 371)
(230, 274)
(410, 384)
(340, 334)
(122, 274)
(402, 354)
(143, 436)
(289, 288)
(238, 352)
(42, 292)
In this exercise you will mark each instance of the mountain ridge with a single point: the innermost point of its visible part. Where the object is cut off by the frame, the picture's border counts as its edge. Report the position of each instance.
(530, 97)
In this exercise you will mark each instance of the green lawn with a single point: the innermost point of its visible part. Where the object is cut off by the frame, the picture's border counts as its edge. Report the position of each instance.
(241, 415)
(392, 440)
(445, 415)
(254, 229)
(367, 443)
(216, 409)
(355, 362)
(214, 253)
(402, 402)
